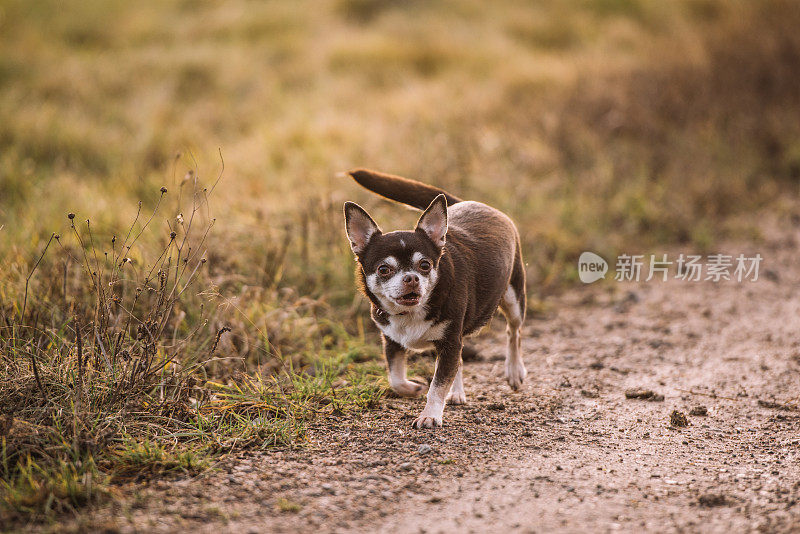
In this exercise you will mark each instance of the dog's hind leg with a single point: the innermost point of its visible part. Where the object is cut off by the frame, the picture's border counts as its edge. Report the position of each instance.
(457, 394)
(513, 307)
(396, 362)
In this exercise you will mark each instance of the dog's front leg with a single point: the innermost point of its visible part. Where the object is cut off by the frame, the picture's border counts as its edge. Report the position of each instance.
(447, 363)
(396, 362)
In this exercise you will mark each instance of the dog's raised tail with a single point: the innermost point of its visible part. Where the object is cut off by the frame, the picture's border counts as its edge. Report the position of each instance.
(400, 189)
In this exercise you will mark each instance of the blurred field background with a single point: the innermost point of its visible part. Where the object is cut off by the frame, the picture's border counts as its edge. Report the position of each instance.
(605, 125)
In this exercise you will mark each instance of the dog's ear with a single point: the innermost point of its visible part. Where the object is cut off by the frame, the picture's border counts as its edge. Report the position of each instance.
(434, 221)
(359, 226)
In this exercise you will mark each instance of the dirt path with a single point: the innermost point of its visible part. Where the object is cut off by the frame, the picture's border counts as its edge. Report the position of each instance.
(568, 453)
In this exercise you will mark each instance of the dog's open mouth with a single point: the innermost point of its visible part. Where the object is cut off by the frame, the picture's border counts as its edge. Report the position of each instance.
(409, 299)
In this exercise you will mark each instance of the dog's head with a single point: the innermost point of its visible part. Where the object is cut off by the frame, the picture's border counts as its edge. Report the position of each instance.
(400, 268)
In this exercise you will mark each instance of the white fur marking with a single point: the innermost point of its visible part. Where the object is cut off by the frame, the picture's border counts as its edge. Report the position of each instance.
(511, 306)
(435, 403)
(372, 281)
(434, 408)
(397, 373)
(515, 367)
(457, 394)
(413, 332)
(387, 291)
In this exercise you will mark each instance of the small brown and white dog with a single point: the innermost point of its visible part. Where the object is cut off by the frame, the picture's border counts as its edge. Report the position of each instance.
(432, 286)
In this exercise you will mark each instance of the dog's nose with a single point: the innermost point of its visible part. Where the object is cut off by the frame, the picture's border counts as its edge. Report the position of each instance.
(411, 280)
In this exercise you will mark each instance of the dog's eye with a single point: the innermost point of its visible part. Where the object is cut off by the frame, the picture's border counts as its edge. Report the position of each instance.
(384, 270)
(425, 266)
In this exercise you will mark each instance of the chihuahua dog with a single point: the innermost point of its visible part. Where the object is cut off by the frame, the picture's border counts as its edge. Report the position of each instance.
(432, 286)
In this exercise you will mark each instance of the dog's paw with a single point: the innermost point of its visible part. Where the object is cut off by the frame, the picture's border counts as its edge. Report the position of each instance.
(427, 421)
(515, 374)
(410, 389)
(457, 397)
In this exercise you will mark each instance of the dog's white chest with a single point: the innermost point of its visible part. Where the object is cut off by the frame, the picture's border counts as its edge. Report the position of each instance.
(413, 331)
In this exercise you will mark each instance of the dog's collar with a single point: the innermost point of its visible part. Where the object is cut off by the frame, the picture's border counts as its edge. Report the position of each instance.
(380, 313)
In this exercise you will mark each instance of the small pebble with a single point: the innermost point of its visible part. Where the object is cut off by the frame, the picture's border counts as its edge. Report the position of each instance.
(424, 449)
(644, 394)
(699, 410)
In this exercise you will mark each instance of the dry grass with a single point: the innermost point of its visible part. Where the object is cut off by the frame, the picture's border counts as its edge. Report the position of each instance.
(106, 355)
(608, 125)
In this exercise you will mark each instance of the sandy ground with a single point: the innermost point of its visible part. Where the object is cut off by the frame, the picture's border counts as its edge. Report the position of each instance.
(569, 452)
